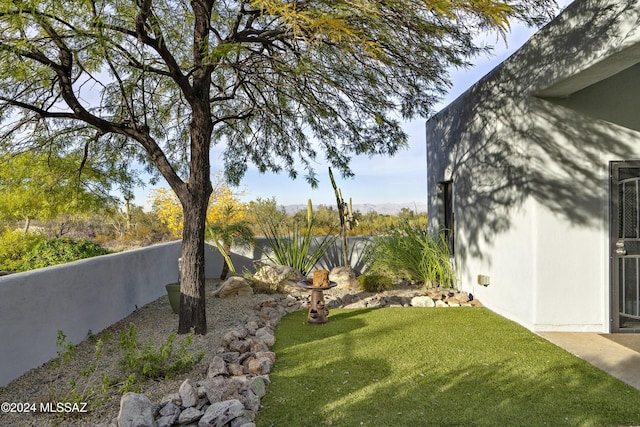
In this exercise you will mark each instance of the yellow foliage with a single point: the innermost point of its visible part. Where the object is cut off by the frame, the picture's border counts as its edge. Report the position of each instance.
(225, 207)
(167, 207)
(317, 24)
(351, 22)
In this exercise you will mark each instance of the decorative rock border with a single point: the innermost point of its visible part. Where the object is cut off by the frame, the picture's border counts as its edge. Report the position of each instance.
(238, 374)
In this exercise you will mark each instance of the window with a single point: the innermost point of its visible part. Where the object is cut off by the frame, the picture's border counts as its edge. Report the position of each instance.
(445, 212)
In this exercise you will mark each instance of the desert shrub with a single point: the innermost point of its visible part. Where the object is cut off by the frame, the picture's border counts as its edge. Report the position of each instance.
(375, 282)
(16, 245)
(293, 245)
(151, 362)
(59, 251)
(408, 250)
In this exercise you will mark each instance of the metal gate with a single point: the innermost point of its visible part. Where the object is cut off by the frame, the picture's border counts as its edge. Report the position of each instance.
(625, 246)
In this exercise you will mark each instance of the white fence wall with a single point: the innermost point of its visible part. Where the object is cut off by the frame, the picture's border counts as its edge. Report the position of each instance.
(92, 294)
(78, 297)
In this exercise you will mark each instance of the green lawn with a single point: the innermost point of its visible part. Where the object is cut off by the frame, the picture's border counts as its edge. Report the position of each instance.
(434, 367)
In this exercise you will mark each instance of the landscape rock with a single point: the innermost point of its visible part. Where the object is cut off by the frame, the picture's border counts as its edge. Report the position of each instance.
(167, 421)
(235, 369)
(190, 415)
(220, 413)
(344, 277)
(169, 409)
(217, 367)
(240, 346)
(188, 393)
(258, 345)
(244, 422)
(266, 335)
(422, 301)
(135, 411)
(235, 286)
(259, 387)
(261, 366)
(278, 277)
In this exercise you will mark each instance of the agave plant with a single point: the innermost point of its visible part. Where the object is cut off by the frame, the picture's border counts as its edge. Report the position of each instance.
(294, 245)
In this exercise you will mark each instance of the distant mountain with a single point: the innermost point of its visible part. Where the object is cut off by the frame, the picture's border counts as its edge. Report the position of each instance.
(381, 208)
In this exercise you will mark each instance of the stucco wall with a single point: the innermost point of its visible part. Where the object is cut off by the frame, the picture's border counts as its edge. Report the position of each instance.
(92, 294)
(530, 174)
(78, 297)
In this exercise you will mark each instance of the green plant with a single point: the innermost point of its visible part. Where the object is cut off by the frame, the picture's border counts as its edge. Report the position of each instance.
(225, 235)
(86, 387)
(66, 350)
(149, 362)
(294, 245)
(59, 251)
(375, 282)
(14, 246)
(409, 250)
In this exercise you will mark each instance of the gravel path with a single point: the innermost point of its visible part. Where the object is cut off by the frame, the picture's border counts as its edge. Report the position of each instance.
(154, 322)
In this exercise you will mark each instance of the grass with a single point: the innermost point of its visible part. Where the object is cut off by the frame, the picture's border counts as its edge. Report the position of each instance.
(440, 367)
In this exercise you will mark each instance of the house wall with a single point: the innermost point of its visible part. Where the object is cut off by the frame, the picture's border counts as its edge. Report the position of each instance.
(530, 173)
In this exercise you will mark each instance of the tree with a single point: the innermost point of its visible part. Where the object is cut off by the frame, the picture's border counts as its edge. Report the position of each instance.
(167, 208)
(45, 187)
(228, 221)
(275, 81)
(228, 218)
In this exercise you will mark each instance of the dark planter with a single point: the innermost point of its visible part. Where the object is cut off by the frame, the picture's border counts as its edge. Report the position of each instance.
(173, 291)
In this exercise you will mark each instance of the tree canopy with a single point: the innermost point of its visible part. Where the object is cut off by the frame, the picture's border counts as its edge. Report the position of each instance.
(41, 186)
(274, 81)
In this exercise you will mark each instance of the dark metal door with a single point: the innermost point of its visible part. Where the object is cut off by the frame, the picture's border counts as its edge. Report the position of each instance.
(625, 246)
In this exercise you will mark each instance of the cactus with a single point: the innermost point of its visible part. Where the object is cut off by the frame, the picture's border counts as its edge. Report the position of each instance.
(346, 217)
(309, 212)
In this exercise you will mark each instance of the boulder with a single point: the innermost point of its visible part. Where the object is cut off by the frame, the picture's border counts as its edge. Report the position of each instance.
(234, 286)
(190, 415)
(220, 413)
(135, 411)
(188, 394)
(422, 301)
(344, 277)
(277, 277)
(217, 367)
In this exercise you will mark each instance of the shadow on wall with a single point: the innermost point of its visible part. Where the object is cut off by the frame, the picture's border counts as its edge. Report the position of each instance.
(502, 145)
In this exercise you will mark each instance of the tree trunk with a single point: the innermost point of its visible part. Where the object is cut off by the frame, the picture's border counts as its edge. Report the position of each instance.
(194, 197)
(192, 284)
(225, 267)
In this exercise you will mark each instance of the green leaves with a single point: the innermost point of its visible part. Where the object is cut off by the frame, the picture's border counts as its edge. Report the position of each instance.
(149, 362)
(280, 79)
(59, 251)
(408, 250)
(293, 245)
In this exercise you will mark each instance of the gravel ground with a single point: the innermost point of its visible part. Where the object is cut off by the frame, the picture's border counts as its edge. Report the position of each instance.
(154, 322)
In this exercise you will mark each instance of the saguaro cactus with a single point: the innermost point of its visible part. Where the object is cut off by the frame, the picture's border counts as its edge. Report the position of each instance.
(346, 218)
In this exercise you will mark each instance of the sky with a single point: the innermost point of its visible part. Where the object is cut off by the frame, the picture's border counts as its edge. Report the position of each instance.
(401, 179)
